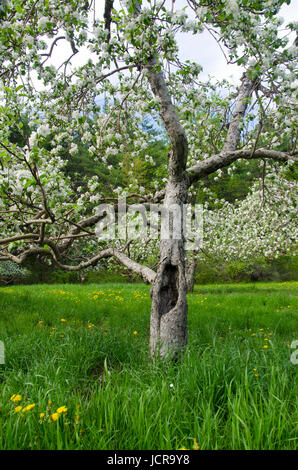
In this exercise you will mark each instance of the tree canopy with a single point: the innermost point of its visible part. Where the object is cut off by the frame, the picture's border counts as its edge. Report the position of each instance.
(134, 119)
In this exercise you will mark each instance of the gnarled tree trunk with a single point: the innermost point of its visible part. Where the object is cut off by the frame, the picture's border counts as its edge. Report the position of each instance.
(168, 326)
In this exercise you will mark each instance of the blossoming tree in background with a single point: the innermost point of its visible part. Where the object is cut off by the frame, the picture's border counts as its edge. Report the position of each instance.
(129, 55)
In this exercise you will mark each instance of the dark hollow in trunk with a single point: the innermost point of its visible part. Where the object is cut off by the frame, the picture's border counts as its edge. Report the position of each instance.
(169, 291)
(168, 326)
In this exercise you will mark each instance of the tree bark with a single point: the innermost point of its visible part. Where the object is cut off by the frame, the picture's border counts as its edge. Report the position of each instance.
(190, 274)
(168, 324)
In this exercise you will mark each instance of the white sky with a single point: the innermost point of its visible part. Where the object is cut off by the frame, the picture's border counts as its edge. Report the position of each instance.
(201, 48)
(207, 53)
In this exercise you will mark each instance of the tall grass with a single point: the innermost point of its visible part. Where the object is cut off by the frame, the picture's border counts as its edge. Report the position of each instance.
(86, 348)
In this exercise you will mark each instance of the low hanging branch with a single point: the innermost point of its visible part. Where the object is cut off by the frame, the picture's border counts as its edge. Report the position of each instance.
(146, 273)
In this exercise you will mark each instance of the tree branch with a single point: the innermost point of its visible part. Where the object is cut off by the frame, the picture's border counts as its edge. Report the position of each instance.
(173, 126)
(245, 91)
(108, 17)
(146, 273)
(214, 163)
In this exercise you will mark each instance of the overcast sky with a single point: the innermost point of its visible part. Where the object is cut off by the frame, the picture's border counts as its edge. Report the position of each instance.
(207, 53)
(201, 48)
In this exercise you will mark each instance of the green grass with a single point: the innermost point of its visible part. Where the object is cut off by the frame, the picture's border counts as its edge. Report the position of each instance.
(229, 392)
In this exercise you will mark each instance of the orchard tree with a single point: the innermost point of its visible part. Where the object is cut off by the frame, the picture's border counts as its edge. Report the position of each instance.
(129, 55)
(261, 225)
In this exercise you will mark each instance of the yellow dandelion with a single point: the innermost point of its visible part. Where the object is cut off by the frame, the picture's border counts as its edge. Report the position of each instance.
(195, 445)
(29, 407)
(62, 409)
(135, 333)
(16, 397)
(55, 416)
(42, 415)
(90, 325)
(261, 329)
(256, 375)
(17, 409)
(254, 369)
(63, 320)
(265, 346)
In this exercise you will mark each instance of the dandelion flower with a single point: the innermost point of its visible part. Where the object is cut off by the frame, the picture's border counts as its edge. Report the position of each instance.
(62, 409)
(63, 320)
(135, 333)
(265, 346)
(55, 416)
(42, 415)
(29, 407)
(17, 409)
(195, 445)
(16, 397)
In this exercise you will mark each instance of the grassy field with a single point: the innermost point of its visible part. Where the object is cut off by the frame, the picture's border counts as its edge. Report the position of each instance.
(83, 350)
